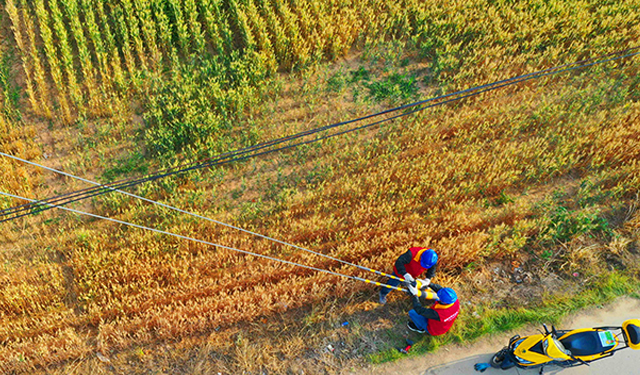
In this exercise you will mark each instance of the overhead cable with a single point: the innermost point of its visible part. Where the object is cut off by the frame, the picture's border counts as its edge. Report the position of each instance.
(205, 242)
(199, 217)
(243, 154)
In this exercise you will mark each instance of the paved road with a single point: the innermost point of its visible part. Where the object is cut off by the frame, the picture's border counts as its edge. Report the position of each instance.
(459, 360)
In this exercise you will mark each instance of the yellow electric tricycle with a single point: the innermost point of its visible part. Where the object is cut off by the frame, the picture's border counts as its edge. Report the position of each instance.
(565, 348)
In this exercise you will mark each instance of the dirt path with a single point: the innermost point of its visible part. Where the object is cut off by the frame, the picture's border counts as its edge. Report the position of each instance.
(459, 360)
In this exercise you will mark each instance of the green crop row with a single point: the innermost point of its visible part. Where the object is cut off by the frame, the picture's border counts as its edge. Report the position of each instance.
(92, 51)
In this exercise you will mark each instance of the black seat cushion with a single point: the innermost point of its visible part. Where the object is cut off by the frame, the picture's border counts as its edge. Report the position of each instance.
(584, 343)
(634, 334)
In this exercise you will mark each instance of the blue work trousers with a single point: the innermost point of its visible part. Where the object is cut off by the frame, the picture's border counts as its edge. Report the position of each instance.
(419, 320)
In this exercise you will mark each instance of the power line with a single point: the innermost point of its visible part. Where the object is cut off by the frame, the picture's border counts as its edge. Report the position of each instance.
(204, 242)
(222, 159)
(418, 106)
(245, 153)
(199, 216)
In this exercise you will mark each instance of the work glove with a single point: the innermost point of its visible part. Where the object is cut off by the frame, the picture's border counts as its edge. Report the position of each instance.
(408, 278)
(413, 289)
(425, 282)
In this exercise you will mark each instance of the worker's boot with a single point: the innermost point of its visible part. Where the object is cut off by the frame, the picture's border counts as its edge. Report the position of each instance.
(383, 298)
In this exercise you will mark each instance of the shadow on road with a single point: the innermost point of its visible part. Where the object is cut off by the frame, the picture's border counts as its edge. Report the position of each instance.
(461, 366)
(465, 366)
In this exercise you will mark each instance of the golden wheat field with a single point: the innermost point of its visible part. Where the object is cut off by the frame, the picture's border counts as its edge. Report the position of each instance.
(542, 176)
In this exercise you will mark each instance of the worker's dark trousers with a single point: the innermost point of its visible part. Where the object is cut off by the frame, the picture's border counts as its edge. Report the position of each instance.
(393, 282)
(419, 320)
